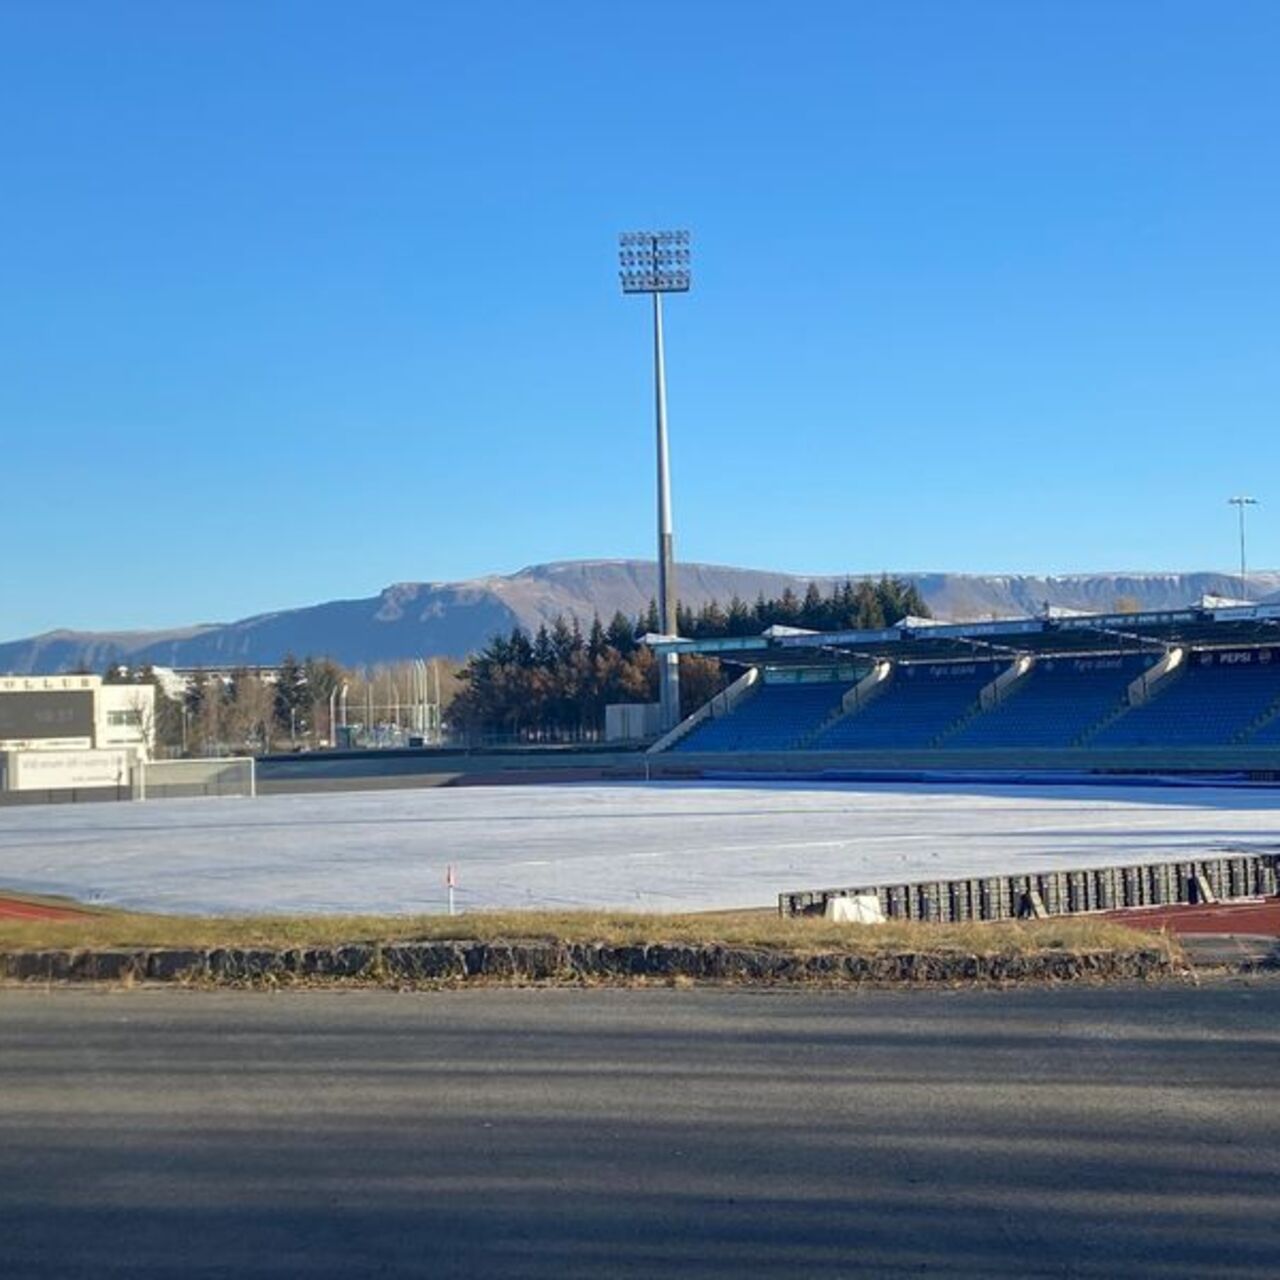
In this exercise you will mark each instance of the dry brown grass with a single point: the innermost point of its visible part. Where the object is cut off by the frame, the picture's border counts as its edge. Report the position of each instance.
(746, 928)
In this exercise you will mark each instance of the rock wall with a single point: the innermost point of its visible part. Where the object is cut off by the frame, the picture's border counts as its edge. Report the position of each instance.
(538, 961)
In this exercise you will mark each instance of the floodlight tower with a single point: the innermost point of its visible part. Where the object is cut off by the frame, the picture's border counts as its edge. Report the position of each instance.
(1240, 501)
(657, 262)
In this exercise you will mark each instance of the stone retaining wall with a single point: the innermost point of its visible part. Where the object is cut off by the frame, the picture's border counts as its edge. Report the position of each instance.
(455, 963)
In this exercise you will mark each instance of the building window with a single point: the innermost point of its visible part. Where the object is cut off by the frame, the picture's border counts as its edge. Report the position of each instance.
(119, 719)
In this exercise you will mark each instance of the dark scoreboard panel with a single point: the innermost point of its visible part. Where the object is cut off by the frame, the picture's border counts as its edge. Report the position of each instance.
(46, 713)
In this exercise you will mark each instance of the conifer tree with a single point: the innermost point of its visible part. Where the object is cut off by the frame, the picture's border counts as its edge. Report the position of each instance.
(812, 610)
(596, 639)
(544, 653)
(291, 709)
(621, 633)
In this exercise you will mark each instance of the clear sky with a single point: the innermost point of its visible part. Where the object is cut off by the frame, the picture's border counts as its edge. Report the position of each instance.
(297, 300)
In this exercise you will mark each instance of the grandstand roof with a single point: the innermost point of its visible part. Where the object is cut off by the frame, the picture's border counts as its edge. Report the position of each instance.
(923, 640)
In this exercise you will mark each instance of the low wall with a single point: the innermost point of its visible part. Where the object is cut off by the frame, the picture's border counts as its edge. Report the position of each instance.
(321, 770)
(454, 963)
(1258, 760)
(64, 795)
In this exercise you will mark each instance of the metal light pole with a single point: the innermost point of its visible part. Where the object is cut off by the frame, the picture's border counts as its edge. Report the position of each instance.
(1240, 501)
(657, 262)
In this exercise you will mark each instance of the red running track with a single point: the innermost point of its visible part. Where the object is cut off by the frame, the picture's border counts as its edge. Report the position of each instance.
(1256, 917)
(13, 909)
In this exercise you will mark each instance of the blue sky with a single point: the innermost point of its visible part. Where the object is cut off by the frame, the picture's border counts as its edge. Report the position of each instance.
(303, 299)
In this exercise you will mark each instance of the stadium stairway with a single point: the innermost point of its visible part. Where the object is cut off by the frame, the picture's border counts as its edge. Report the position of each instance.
(775, 717)
(1220, 699)
(872, 685)
(916, 709)
(1059, 704)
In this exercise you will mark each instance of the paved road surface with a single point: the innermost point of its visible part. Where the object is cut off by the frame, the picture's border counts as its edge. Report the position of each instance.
(1070, 1132)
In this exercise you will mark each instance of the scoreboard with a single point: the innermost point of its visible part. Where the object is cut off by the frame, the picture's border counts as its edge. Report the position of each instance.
(31, 715)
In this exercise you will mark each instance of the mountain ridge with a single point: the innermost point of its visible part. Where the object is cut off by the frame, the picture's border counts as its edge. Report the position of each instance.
(451, 619)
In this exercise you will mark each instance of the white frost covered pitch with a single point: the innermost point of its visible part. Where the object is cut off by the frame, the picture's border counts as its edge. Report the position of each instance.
(659, 846)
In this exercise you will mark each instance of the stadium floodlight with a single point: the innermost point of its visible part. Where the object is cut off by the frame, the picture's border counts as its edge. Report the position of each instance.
(657, 262)
(654, 261)
(1240, 502)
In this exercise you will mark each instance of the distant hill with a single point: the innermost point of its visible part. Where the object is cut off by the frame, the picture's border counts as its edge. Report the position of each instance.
(422, 619)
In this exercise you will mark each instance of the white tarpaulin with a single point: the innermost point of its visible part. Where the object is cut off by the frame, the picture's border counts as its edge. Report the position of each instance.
(855, 908)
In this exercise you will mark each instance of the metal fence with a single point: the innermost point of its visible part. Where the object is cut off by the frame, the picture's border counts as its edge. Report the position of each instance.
(1055, 893)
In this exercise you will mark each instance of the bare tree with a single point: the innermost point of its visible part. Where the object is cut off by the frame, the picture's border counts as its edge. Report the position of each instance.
(250, 713)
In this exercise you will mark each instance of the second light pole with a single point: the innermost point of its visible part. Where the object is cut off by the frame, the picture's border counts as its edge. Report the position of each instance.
(1240, 502)
(657, 262)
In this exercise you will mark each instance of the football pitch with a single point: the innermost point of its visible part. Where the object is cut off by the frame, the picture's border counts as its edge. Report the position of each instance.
(660, 846)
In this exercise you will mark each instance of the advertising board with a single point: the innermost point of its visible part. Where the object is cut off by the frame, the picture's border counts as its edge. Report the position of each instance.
(66, 770)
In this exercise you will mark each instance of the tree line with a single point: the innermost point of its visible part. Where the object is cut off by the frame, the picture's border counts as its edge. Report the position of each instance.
(554, 685)
(556, 682)
(862, 605)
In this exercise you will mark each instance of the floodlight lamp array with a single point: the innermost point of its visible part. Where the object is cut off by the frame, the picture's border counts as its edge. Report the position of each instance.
(654, 261)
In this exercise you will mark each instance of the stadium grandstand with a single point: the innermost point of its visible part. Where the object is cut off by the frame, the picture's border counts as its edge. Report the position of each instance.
(1197, 687)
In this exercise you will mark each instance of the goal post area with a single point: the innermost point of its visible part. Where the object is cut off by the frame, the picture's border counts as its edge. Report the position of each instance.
(171, 779)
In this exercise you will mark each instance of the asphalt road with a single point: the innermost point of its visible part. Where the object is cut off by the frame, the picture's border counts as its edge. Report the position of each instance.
(1066, 1132)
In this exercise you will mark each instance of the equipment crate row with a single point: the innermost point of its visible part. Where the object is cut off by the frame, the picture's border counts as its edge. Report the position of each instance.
(1058, 893)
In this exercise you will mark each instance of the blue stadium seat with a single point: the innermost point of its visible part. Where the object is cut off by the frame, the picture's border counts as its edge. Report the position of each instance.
(1056, 703)
(1220, 698)
(920, 702)
(774, 718)
(1214, 702)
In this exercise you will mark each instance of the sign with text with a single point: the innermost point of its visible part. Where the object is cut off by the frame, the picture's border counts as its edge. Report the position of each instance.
(46, 714)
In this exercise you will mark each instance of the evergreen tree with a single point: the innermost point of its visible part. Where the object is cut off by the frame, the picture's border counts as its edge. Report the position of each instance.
(291, 700)
(544, 653)
(521, 653)
(870, 611)
(711, 621)
(739, 621)
(787, 609)
(813, 610)
(566, 639)
(621, 634)
(651, 623)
